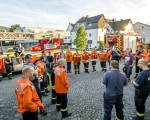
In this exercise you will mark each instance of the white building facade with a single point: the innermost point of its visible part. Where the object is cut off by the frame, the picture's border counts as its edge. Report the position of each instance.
(143, 30)
(95, 28)
(34, 30)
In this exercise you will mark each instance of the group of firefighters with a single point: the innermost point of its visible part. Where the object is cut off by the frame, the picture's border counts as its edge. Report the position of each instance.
(128, 59)
(38, 78)
(45, 75)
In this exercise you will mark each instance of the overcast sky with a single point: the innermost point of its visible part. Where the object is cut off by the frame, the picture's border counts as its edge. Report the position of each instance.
(58, 13)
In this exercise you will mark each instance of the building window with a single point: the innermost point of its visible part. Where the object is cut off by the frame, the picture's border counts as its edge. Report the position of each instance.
(89, 34)
(143, 40)
(142, 27)
(69, 37)
(90, 24)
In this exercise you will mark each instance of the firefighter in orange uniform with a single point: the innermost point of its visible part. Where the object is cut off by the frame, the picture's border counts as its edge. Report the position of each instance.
(27, 97)
(139, 55)
(68, 60)
(61, 88)
(94, 58)
(0, 69)
(85, 60)
(41, 71)
(109, 54)
(103, 57)
(125, 52)
(76, 61)
(147, 57)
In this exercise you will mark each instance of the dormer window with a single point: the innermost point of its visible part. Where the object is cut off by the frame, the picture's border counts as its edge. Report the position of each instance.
(89, 34)
(90, 24)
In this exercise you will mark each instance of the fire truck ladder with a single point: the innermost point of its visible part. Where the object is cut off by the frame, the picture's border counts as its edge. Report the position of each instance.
(24, 36)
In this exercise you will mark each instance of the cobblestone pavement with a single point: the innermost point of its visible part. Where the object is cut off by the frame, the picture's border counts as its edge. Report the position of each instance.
(85, 98)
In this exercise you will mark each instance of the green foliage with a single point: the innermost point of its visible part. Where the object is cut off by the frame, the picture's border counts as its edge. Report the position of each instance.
(14, 27)
(101, 44)
(144, 45)
(7, 43)
(81, 38)
(2, 29)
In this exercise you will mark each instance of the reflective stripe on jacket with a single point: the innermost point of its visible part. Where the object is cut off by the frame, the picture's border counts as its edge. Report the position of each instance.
(76, 58)
(142, 55)
(68, 56)
(94, 55)
(41, 67)
(61, 80)
(103, 56)
(147, 56)
(27, 97)
(86, 56)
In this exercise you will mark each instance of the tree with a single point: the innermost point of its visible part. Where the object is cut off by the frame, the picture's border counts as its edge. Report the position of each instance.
(1, 30)
(101, 44)
(14, 27)
(81, 38)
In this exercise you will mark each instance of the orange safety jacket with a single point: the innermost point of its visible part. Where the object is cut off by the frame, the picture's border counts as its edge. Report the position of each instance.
(76, 58)
(103, 56)
(61, 80)
(125, 53)
(85, 57)
(27, 97)
(109, 54)
(68, 56)
(41, 71)
(142, 55)
(147, 56)
(94, 55)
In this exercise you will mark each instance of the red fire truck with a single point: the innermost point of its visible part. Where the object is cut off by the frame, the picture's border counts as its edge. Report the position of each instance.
(123, 41)
(46, 44)
(17, 66)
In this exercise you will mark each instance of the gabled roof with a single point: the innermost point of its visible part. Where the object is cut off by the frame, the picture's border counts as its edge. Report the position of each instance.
(142, 24)
(119, 25)
(83, 19)
(93, 21)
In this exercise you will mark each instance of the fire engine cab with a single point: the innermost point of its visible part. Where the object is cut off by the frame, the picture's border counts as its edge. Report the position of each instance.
(122, 42)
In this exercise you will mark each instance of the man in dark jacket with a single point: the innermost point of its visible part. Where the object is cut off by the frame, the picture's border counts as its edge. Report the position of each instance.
(114, 81)
(142, 89)
(51, 77)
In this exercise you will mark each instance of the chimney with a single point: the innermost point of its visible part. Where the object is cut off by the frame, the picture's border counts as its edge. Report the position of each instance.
(114, 20)
(87, 16)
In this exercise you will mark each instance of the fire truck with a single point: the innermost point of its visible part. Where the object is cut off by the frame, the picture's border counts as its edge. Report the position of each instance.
(123, 41)
(18, 66)
(47, 44)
